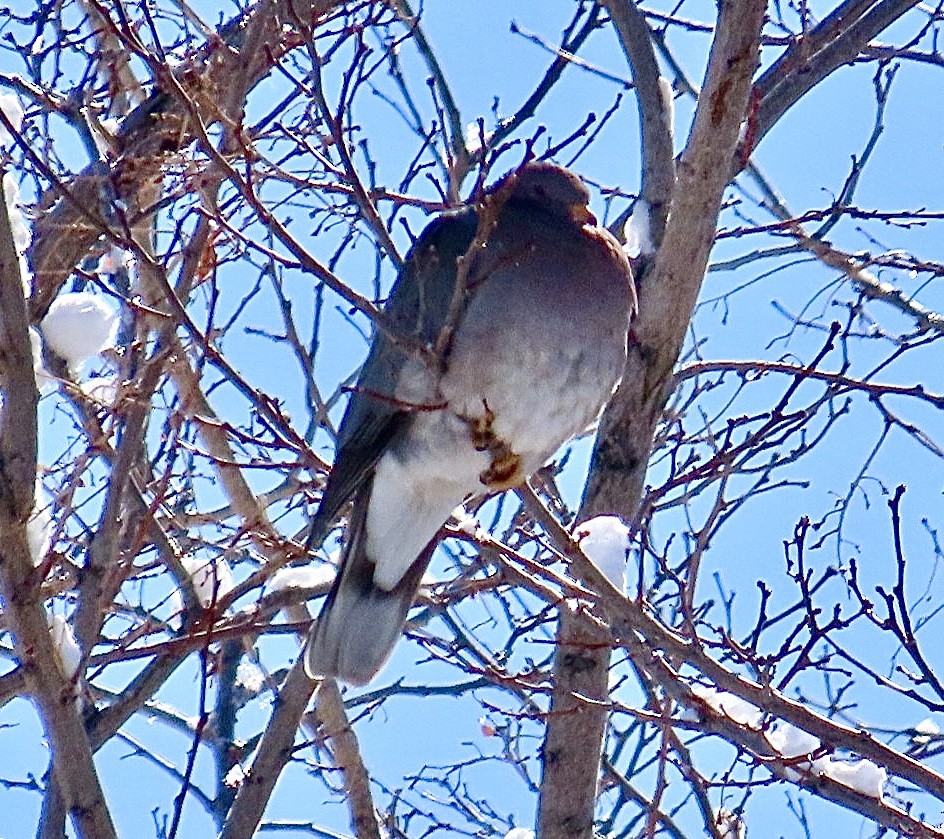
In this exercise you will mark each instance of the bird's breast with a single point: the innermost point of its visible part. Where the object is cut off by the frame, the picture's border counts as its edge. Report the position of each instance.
(526, 381)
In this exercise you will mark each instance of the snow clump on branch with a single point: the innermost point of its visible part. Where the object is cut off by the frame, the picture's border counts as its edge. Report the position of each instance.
(19, 227)
(637, 232)
(863, 776)
(789, 742)
(302, 576)
(39, 533)
(211, 580)
(13, 110)
(733, 707)
(79, 325)
(68, 652)
(605, 541)
(44, 379)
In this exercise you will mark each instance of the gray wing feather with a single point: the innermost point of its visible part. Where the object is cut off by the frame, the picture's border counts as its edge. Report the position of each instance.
(417, 308)
(360, 623)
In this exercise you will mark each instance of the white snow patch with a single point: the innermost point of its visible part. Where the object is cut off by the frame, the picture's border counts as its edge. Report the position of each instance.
(211, 580)
(39, 534)
(925, 731)
(102, 389)
(667, 94)
(26, 277)
(78, 326)
(44, 379)
(235, 777)
(473, 137)
(313, 575)
(733, 707)
(520, 833)
(13, 110)
(637, 232)
(730, 825)
(466, 522)
(863, 776)
(68, 653)
(19, 228)
(22, 236)
(790, 742)
(605, 541)
(249, 676)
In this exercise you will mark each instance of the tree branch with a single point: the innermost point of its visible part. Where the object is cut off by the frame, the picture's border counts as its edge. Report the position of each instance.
(653, 646)
(656, 130)
(275, 750)
(573, 740)
(51, 690)
(668, 292)
(336, 726)
(838, 40)
(246, 50)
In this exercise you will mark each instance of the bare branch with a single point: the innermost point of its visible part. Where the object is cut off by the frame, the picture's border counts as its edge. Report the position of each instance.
(52, 690)
(247, 48)
(273, 752)
(656, 131)
(836, 41)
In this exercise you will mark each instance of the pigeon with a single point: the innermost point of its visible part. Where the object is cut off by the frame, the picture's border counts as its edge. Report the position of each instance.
(504, 335)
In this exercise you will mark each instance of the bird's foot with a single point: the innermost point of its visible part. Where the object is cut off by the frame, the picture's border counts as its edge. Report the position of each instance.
(483, 434)
(504, 472)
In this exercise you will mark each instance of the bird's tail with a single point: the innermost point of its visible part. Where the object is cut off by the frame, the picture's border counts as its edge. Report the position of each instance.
(360, 623)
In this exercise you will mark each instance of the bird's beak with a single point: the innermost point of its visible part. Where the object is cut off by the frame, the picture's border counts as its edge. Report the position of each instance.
(581, 214)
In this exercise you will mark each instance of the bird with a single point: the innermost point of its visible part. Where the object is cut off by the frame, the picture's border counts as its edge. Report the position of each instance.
(503, 336)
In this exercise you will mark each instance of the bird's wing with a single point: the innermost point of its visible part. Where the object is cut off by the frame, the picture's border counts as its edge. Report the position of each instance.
(360, 622)
(417, 309)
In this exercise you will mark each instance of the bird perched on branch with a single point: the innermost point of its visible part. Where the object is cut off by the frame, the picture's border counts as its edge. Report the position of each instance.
(503, 336)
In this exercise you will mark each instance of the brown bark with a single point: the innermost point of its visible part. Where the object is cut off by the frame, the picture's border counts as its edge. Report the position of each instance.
(53, 692)
(576, 725)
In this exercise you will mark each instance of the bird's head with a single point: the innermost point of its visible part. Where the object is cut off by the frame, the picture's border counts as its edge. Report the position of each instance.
(552, 187)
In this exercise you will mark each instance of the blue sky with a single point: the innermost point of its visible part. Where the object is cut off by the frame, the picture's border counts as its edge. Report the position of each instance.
(807, 158)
